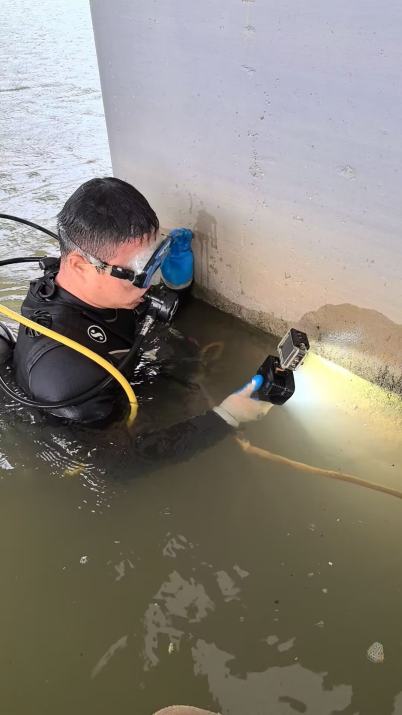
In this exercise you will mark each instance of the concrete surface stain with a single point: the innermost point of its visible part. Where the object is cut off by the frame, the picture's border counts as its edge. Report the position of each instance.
(362, 340)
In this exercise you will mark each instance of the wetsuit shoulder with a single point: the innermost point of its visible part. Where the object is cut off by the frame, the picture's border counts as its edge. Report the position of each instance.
(61, 374)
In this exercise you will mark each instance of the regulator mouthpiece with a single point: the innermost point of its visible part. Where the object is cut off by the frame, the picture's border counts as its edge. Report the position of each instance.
(162, 303)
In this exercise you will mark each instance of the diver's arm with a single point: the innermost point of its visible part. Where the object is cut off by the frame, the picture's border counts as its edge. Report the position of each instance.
(184, 439)
(61, 374)
(181, 440)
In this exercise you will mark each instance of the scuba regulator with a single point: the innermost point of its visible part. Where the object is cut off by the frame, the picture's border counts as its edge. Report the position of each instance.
(161, 303)
(277, 372)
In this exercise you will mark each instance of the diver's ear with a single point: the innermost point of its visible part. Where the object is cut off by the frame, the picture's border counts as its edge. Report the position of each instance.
(77, 263)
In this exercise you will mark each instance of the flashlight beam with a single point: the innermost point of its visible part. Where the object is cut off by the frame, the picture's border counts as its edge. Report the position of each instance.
(301, 466)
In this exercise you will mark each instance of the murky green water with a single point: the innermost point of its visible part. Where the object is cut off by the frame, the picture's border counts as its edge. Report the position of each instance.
(227, 581)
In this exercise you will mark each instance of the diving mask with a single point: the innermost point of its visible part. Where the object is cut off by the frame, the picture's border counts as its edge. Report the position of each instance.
(143, 265)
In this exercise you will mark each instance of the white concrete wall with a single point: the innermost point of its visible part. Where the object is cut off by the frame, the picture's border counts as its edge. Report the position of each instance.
(274, 128)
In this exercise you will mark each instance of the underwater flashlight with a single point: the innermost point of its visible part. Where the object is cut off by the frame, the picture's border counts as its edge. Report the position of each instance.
(277, 372)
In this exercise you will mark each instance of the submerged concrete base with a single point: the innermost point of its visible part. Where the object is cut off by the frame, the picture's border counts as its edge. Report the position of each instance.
(361, 340)
(364, 341)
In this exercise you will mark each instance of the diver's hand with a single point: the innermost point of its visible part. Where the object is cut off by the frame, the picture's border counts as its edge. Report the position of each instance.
(241, 406)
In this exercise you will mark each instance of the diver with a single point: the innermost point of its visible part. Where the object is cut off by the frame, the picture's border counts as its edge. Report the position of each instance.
(98, 293)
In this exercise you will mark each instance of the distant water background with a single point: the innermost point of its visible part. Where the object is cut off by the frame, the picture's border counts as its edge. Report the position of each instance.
(52, 127)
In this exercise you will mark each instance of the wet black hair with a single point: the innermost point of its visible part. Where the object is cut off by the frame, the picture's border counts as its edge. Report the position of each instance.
(101, 215)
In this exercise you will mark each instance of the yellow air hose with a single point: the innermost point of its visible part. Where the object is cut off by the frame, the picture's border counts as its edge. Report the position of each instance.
(84, 351)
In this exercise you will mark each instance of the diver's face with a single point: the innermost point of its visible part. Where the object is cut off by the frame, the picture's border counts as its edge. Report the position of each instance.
(110, 292)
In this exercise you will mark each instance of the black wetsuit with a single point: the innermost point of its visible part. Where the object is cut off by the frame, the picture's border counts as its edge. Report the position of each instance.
(51, 372)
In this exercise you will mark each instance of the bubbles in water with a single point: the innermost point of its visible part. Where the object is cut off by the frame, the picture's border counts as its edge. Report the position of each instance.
(375, 652)
(4, 463)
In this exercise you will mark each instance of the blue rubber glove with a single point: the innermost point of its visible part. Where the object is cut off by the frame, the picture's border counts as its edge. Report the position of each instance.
(177, 268)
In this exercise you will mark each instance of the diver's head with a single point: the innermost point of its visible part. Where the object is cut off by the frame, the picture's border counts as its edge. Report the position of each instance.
(105, 223)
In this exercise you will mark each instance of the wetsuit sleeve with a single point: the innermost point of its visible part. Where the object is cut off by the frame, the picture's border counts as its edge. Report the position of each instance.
(181, 440)
(61, 374)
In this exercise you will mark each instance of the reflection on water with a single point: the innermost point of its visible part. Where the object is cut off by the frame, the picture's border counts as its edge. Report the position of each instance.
(286, 690)
(227, 581)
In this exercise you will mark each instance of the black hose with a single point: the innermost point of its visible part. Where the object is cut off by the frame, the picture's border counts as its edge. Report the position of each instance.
(22, 259)
(30, 223)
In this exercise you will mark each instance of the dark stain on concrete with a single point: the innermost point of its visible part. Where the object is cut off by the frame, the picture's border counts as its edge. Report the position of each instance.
(362, 340)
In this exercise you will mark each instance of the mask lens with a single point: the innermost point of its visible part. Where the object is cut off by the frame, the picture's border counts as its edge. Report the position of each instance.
(138, 262)
(146, 263)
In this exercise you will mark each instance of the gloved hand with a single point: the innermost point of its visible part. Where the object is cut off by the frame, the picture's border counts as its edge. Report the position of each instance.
(177, 269)
(241, 407)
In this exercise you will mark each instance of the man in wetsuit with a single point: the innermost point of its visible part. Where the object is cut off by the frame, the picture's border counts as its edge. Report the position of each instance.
(107, 232)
